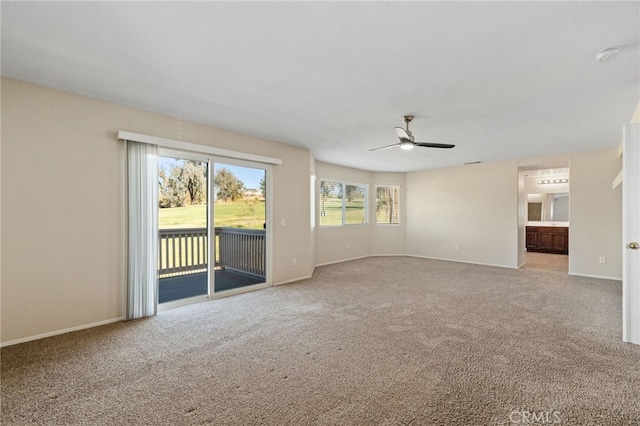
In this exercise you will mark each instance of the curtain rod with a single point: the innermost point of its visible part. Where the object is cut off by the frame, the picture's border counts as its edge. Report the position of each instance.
(193, 147)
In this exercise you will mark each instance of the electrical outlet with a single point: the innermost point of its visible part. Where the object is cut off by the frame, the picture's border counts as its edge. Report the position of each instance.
(456, 247)
(446, 246)
(282, 222)
(348, 246)
(603, 259)
(294, 261)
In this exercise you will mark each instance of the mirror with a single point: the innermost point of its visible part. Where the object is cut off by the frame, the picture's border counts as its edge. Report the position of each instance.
(545, 190)
(548, 207)
(535, 212)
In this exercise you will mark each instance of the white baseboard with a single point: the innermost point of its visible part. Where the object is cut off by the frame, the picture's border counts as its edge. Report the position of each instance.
(462, 261)
(469, 262)
(596, 276)
(294, 280)
(344, 260)
(57, 332)
(416, 256)
(160, 309)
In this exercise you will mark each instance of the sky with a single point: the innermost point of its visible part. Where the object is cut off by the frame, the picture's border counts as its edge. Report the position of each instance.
(249, 176)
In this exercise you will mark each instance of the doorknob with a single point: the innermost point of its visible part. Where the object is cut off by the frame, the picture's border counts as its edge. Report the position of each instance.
(634, 246)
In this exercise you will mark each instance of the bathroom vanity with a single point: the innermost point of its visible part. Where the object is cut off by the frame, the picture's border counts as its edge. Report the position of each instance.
(548, 238)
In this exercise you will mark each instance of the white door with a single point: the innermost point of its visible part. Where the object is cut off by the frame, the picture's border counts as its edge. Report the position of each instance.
(631, 234)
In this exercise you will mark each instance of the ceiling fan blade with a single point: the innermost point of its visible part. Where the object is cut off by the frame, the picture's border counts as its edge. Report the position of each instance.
(402, 133)
(434, 145)
(384, 147)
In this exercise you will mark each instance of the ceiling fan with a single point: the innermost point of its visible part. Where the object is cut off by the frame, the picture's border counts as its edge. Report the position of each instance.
(407, 141)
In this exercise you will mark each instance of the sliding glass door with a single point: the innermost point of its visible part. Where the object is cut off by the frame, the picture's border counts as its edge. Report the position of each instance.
(240, 225)
(183, 217)
(212, 218)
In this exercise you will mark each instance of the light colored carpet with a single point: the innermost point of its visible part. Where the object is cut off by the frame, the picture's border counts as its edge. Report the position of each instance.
(380, 341)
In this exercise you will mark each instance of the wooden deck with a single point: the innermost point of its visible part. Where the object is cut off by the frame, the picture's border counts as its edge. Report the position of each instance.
(190, 285)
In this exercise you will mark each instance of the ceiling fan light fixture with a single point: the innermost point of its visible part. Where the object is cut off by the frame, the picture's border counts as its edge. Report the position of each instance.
(407, 142)
(406, 145)
(608, 54)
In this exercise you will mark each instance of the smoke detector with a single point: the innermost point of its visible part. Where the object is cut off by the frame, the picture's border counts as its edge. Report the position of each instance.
(608, 54)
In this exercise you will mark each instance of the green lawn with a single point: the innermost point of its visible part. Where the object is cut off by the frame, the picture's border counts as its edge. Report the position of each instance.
(247, 214)
(250, 214)
(183, 217)
(331, 211)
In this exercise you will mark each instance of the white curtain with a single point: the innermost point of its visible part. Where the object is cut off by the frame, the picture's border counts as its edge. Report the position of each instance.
(142, 186)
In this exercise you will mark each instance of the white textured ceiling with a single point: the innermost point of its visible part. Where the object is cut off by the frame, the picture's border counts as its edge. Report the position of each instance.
(501, 80)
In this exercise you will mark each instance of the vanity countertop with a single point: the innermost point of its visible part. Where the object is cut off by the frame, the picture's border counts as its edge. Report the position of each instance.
(558, 224)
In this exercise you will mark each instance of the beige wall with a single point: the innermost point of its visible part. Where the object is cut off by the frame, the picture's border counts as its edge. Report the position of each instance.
(595, 215)
(474, 207)
(63, 212)
(635, 118)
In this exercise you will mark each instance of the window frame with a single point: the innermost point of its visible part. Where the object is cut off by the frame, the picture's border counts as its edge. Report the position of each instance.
(312, 199)
(397, 187)
(344, 184)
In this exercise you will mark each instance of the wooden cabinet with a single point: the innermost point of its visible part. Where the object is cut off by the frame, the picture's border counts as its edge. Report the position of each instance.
(548, 239)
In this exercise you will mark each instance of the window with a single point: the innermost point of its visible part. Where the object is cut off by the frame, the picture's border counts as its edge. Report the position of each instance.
(342, 203)
(388, 205)
(313, 201)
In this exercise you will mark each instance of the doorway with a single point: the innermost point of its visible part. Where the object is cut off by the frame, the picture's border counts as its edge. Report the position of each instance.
(543, 217)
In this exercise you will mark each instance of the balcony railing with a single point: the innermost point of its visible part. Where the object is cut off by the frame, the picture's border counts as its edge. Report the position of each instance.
(185, 251)
(241, 250)
(182, 251)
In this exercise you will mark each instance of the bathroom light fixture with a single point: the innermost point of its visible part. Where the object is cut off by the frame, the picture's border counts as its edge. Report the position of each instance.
(608, 54)
(548, 181)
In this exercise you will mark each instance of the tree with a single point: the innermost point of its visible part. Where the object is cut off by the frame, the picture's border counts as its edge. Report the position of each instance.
(171, 188)
(386, 204)
(328, 187)
(352, 191)
(228, 187)
(263, 186)
(184, 184)
(193, 176)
